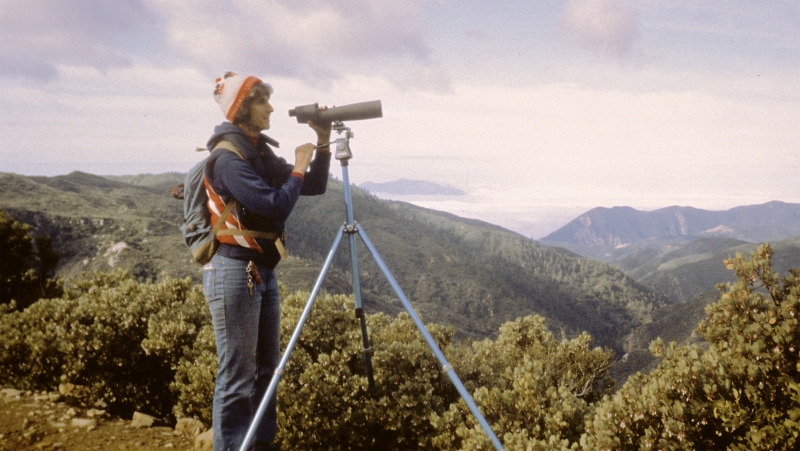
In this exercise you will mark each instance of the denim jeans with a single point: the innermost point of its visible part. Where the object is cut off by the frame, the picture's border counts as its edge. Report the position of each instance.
(247, 330)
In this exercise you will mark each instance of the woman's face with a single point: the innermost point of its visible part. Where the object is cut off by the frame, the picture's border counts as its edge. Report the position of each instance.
(260, 110)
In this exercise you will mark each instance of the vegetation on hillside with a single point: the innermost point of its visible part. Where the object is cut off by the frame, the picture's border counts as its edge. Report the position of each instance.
(474, 275)
(465, 273)
(742, 393)
(101, 225)
(27, 265)
(149, 346)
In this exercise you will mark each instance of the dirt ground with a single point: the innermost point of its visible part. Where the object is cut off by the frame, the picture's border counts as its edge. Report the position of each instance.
(43, 421)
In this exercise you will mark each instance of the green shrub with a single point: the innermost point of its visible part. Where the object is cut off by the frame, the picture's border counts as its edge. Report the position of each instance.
(323, 400)
(92, 337)
(743, 393)
(193, 386)
(150, 347)
(534, 390)
(27, 265)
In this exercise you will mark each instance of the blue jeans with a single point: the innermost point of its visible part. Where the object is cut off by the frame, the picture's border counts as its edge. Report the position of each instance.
(247, 330)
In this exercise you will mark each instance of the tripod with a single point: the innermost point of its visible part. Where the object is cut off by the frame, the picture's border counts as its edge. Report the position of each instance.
(344, 155)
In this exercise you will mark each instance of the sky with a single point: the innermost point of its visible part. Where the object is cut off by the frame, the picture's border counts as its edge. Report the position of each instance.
(539, 110)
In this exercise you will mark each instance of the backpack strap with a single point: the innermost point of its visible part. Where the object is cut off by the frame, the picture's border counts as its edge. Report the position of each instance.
(227, 145)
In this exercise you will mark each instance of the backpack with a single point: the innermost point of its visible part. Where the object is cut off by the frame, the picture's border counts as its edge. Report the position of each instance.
(198, 232)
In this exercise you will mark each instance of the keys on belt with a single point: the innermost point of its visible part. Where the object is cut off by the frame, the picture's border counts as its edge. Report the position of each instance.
(252, 274)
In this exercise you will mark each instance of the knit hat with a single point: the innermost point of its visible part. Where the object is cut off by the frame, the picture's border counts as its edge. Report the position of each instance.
(231, 90)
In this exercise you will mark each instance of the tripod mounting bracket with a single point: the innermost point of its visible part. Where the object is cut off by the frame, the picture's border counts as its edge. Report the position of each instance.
(350, 229)
(343, 152)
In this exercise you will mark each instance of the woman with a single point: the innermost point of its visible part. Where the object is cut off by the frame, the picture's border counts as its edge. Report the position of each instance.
(239, 282)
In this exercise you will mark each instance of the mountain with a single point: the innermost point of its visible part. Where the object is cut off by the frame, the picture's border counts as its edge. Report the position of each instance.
(457, 271)
(99, 224)
(160, 182)
(621, 226)
(414, 187)
(678, 251)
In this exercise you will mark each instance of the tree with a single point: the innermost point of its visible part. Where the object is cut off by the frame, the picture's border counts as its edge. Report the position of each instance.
(27, 266)
(742, 393)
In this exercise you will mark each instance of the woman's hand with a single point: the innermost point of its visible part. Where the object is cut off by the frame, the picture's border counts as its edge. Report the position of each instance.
(323, 130)
(302, 157)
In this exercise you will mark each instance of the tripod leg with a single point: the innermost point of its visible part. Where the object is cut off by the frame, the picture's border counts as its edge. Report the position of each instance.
(366, 348)
(446, 367)
(350, 229)
(273, 383)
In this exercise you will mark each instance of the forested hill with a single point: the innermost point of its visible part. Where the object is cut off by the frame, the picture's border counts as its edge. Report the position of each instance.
(619, 226)
(463, 272)
(678, 251)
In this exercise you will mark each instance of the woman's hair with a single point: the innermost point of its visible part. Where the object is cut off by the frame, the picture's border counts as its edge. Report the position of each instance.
(260, 90)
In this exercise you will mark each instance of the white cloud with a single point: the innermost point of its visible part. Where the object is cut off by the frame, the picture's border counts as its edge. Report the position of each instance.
(608, 25)
(314, 40)
(37, 35)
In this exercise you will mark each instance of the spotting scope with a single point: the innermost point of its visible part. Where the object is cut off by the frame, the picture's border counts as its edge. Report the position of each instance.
(352, 112)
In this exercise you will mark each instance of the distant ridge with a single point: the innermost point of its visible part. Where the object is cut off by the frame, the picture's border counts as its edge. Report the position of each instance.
(463, 272)
(620, 226)
(405, 186)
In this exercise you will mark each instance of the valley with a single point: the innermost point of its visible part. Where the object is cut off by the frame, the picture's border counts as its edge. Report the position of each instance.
(624, 290)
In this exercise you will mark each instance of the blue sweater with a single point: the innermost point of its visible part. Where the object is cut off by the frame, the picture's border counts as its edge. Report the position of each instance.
(263, 185)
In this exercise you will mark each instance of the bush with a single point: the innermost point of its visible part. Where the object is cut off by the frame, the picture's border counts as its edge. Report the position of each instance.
(743, 393)
(323, 401)
(534, 390)
(92, 337)
(27, 266)
(150, 347)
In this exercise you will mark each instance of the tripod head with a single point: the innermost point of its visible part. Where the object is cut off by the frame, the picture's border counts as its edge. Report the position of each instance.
(343, 152)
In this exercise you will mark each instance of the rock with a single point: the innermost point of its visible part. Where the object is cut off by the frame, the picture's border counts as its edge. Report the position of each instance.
(92, 413)
(72, 390)
(141, 420)
(54, 397)
(190, 426)
(84, 422)
(65, 388)
(10, 393)
(204, 441)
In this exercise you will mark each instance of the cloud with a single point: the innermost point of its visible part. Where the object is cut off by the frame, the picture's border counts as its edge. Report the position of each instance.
(314, 40)
(318, 41)
(477, 34)
(610, 26)
(38, 35)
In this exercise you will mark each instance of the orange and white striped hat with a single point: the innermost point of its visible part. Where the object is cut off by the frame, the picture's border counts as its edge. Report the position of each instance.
(231, 90)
